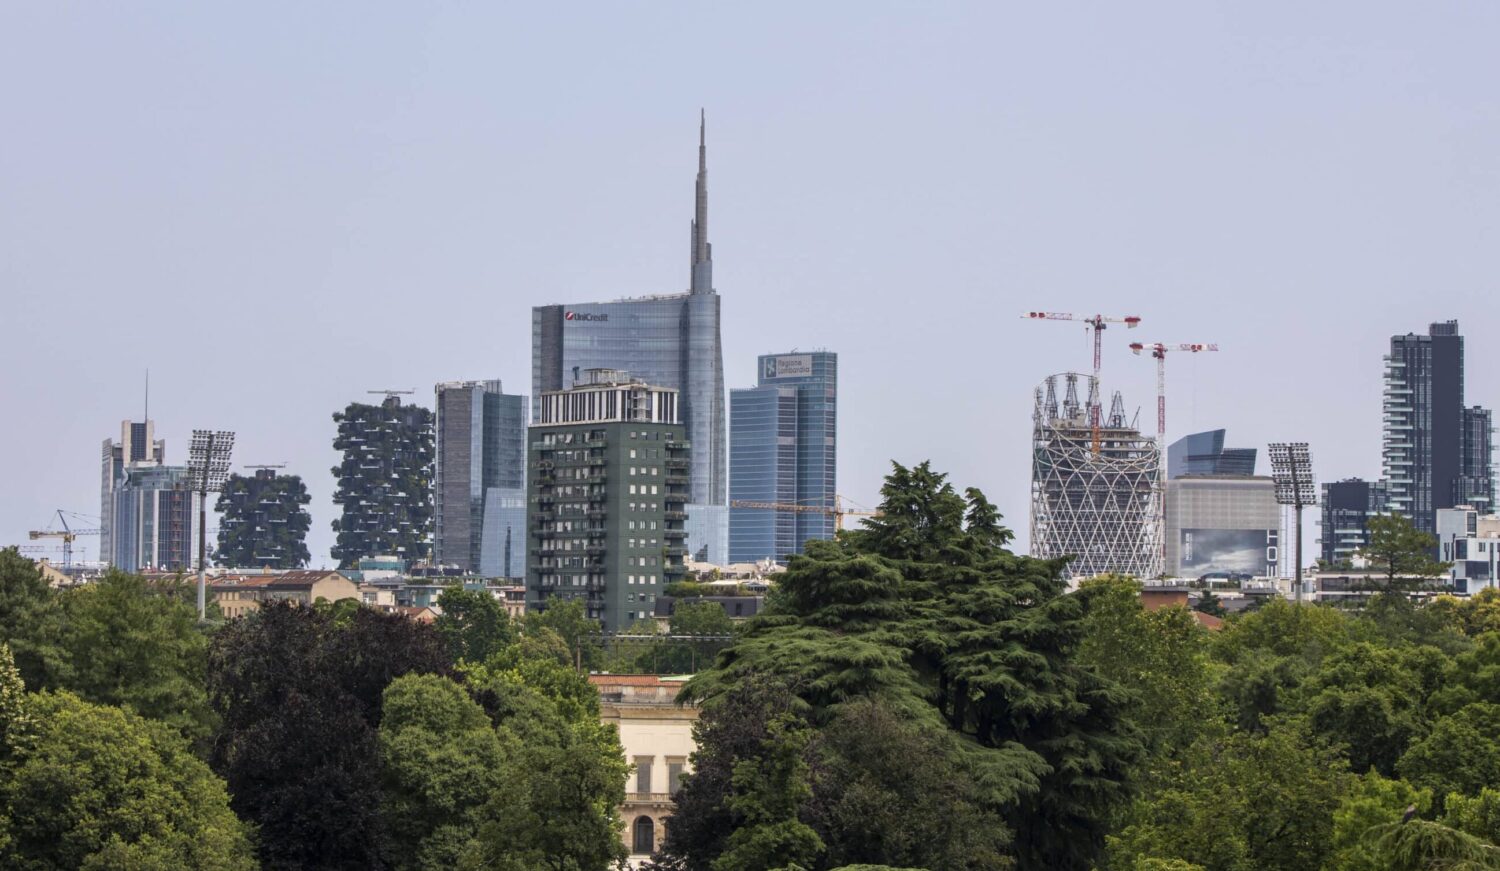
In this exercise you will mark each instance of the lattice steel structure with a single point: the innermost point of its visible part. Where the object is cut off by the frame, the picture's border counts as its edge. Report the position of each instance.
(1102, 509)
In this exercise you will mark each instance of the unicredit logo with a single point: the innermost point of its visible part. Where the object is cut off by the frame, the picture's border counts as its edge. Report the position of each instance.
(584, 316)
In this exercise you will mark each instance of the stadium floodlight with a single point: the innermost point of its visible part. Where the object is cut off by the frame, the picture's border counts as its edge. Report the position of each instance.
(1291, 467)
(208, 469)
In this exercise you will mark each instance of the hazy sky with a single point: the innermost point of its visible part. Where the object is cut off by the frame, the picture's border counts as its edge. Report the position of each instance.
(276, 207)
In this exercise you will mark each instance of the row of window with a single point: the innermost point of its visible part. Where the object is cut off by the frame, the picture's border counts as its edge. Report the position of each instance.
(643, 491)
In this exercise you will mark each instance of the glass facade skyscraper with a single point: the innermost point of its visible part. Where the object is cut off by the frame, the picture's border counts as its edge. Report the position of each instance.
(480, 478)
(1435, 450)
(155, 524)
(138, 446)
(783, 450)
(1203, 453)
(671, 341)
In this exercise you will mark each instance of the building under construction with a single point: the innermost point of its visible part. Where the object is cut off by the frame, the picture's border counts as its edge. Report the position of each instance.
(1094, 498)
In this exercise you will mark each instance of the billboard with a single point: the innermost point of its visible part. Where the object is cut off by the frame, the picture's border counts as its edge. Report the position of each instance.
(787, 366)
(1237, 551)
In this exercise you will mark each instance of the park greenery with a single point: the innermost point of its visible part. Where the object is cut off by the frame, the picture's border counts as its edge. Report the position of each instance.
(914, 695)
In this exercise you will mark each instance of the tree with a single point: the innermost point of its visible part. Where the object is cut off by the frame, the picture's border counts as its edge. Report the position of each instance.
(766, 796)
(1478, 815)
(928, 612)
(138, 646)
(1243, 802)
(301, 698)
(263, 522)
(441, 762)
(15, 716)
(473, 624)
(680, 656)
(1459, 753)
(99, 787)
(563, 784)
(30, 620)
(1371, 802)
(580, 634)
(1401, 551)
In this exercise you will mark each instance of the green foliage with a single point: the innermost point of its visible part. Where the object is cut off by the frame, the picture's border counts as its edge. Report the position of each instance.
(1479, 815)
(1162, 656)
(1245, 802)
(441, 763)
(474, 624)
(30, 620)
(1419, 845)
(301, 698)
(579, 634)
(681, 656)
(563, 782)
(133, 645)
(925, 611)
(263, 522)
(1459, 753)
(384, 481)
(98, 787)
(766, 795)
(1401, 552)
(1371, 802)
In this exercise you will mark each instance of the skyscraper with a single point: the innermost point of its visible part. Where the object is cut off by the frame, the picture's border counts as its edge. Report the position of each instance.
(783, 448)
(154, 524)
(1435, 450)
(672, 341)
(384, 481)
(138, 446)
(480, 479)
(608, 481)
(1203, 453)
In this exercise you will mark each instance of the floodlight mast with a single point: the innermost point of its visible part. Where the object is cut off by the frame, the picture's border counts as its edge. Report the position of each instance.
(208, 467)
(1291, 466)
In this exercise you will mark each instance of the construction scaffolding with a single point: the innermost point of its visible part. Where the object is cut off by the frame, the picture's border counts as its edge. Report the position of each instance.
(1104, 509)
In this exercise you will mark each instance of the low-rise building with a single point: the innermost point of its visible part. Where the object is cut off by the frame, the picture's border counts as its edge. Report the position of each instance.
(657, 736)
(1470, 541)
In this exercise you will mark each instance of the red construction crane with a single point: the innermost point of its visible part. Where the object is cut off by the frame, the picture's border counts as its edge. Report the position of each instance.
(1159, 353)
(1096, 323)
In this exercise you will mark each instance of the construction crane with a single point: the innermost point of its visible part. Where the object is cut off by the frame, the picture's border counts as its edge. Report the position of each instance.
(67, 534)
(266, 466)
(838, 510)
(1159, 353)
(1097, 324)
(390, 393)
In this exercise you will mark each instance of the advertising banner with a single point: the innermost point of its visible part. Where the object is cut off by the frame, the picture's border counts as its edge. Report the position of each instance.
(788, 366)
(1238, 551)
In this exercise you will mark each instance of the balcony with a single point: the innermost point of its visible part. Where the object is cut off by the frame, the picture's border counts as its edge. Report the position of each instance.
(677, 515)
(674, 533)
(675, 463)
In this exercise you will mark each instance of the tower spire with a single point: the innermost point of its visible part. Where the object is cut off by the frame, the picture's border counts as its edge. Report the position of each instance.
(702, 265)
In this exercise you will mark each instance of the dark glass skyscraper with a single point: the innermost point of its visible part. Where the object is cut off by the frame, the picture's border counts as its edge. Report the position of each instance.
(1203, 453)
(1435, 450)
(783, 448)
(1347, 507)
(480, 478)
(671, 341)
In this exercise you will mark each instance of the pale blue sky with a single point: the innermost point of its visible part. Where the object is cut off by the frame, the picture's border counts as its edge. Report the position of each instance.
(278, 206)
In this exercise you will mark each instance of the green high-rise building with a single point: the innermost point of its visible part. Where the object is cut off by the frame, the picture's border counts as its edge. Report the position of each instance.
(607, 492)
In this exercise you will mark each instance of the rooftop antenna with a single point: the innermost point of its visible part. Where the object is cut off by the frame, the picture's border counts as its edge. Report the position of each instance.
(148, 400)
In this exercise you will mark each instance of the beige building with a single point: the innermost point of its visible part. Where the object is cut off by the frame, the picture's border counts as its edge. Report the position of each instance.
(657, 735)
(238, 595)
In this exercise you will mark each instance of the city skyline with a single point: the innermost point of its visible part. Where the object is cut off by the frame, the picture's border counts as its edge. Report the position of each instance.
(906, 231)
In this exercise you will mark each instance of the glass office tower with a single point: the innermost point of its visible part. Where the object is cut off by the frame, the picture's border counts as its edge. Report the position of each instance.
(784, 451)
(1203, 453)
(479, 485)
(670, 341)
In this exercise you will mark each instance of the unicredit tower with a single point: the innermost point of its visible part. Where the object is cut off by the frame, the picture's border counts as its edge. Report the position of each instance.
(671, 340)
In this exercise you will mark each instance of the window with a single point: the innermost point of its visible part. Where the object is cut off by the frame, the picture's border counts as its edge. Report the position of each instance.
(674, 775)
(632, 453)
(644, 838)
(643, 771)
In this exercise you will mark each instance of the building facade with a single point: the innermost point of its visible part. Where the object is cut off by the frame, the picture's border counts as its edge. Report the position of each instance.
(138, 446)
(1470, 541)
(1104, 509)
(1203, 453)
(480, 478)
(670, 341)
(154, 524)
(1347, 507)
(384, 481)
(783, 448)
(1222, 525)
(1435, 450)
(608, 485)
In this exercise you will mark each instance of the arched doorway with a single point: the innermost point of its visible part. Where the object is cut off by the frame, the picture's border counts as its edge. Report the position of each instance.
(644, 840)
